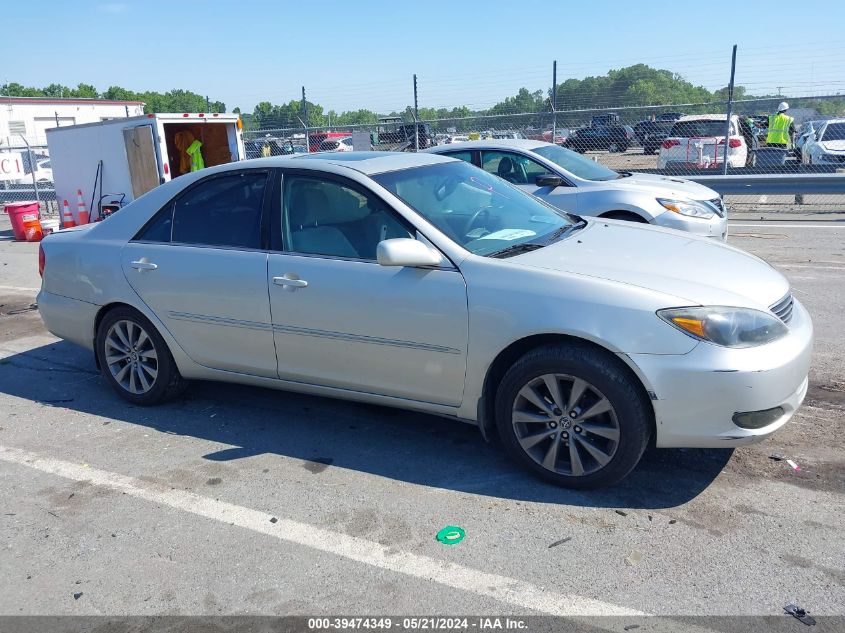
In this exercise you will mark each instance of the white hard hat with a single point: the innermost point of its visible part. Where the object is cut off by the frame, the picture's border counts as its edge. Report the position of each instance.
(783, 106)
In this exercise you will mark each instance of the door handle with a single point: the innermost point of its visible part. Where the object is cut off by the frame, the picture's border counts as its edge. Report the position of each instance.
(290, 282)
(142, 265)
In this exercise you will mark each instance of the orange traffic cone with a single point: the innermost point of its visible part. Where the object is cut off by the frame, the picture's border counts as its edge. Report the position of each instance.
(81, 211)
(67, 217)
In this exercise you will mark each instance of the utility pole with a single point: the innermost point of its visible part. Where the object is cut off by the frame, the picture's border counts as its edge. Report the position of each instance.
(729, 111)
(554, 100)
(305, 120)
(416, 118)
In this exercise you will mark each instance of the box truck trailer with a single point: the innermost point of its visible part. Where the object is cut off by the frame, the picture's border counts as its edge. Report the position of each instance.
(122, 159)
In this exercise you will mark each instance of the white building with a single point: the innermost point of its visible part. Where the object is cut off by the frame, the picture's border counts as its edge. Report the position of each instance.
(31, 116)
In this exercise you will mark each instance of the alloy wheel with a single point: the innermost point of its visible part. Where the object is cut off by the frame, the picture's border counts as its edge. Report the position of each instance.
(565, 424)
(131, 357)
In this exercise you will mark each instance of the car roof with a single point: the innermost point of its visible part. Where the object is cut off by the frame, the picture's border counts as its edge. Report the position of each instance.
(368, 163)
(494, 143)
(704, 117)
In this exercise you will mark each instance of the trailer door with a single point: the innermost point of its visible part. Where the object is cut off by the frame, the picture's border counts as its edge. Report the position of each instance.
(141, 158)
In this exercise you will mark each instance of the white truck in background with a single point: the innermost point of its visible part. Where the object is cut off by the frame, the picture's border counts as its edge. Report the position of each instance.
(122, 159)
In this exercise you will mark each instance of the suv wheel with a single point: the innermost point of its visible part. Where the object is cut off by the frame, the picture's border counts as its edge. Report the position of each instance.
(573, 416)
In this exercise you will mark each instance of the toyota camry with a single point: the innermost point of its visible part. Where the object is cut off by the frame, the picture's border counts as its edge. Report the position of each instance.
(423, 282)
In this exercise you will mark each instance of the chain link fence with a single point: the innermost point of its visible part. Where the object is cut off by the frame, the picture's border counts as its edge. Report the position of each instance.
(661, 133)
(37, 182)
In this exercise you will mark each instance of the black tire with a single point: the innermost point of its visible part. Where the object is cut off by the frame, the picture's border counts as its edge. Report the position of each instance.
(624, 215)
(167, 383)
(604, 374)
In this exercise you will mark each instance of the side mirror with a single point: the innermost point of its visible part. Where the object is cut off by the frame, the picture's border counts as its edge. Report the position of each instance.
(549, 180)
(404, 251)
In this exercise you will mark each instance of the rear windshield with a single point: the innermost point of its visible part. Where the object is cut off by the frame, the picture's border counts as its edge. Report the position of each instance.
(693, 129)
(834, 132)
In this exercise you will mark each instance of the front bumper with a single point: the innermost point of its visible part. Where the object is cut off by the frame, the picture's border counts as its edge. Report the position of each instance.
(830, 159)
(716, 227)
(698, 393)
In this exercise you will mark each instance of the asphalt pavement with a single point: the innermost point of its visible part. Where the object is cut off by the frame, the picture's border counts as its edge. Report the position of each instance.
(236, 500)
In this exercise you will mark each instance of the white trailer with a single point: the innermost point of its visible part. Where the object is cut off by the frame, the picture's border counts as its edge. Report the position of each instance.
(128, 157)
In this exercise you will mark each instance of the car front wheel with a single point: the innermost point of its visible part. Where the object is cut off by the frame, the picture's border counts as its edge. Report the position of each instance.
(573, 416)
(135, 360)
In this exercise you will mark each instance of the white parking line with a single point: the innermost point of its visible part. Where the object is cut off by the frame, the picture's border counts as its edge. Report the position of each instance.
(19, 289)
(765, 225)
(502, 588)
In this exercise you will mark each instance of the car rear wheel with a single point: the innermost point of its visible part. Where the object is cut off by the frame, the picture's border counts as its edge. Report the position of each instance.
(573, 416)
(135, 360)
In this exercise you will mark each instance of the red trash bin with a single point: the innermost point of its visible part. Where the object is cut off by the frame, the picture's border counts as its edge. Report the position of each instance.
(20, 213)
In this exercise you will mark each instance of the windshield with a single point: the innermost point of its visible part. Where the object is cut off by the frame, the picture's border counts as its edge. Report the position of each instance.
(698, 129)
(576, 164)
(479, 211)
(834, 132)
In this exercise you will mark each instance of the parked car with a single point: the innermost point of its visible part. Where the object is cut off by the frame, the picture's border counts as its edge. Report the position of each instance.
(651, 134)
(423, 282)
(40, 164)
(610, 138)
(579, 185)
(698, 142)
(669, 116)
(457, 138)
(802, 133)
(827, 145)
(336, 145)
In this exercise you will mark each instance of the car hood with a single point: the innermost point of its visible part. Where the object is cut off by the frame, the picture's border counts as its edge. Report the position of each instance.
(665, 186)
(833, 146)
(696, 270)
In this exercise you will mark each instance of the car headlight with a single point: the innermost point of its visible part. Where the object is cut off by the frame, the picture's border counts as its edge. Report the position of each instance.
(726, 326)
(691, 208)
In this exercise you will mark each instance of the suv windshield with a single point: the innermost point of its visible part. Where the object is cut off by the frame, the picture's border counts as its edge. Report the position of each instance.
(479, 211)
(576, 164)
(834, 132)
(698, 129)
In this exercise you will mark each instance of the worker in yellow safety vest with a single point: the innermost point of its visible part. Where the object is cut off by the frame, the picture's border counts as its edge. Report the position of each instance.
(781, 128)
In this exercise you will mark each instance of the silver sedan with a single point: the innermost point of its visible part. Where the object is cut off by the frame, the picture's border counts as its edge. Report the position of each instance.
(423, 282)
(579, 185)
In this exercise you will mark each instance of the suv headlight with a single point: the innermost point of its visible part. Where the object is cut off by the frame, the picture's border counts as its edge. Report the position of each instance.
(726, 326)
(691, 208)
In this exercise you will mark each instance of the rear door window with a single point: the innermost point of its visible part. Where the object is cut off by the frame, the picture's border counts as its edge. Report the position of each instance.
(223, 211)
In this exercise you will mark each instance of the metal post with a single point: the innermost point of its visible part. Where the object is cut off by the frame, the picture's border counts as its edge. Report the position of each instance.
(32, 167)
(305, 121)
(554, 100)
(729, 111)
(56, 114)
(207, 104)
(416, 118)
(126, 107)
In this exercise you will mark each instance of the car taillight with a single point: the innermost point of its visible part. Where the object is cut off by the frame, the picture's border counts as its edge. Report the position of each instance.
(733, 143)
(42, 260)
(669, 143)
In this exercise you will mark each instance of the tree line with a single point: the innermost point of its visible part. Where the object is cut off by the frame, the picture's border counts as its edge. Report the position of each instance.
(634, 86)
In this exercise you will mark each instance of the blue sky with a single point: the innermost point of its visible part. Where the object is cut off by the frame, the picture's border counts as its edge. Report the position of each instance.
(353, 54)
